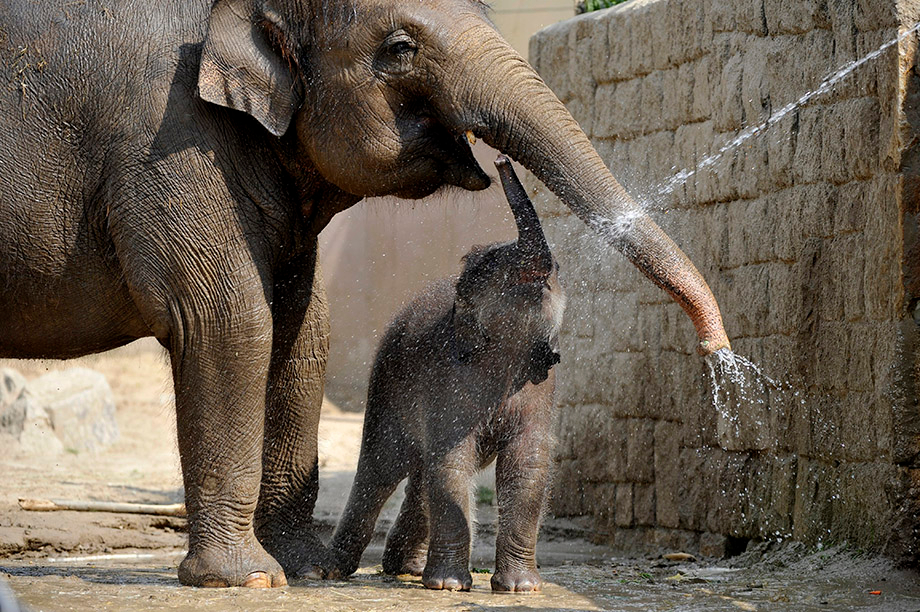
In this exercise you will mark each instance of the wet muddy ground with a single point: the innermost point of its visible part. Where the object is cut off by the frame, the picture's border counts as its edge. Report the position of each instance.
(782, 580)
(56, 561)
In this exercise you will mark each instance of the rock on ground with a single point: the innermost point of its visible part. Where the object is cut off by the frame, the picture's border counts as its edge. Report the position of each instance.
(71, 409)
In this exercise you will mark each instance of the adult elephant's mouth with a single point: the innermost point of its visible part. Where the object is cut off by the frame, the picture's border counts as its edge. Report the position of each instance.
(464, 171)
(446, 153)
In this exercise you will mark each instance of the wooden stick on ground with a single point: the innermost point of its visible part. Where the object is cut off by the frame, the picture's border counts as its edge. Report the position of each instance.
(49, 505)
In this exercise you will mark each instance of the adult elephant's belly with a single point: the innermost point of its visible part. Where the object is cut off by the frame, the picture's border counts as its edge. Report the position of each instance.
(60, 309)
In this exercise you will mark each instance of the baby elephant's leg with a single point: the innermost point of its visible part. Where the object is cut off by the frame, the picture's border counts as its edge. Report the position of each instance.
(449, 475)
(522, 473)
(380, 470)
(407, 543)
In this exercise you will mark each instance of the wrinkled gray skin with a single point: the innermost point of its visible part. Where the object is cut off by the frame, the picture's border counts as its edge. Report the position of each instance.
(463, 375)
(165, 168)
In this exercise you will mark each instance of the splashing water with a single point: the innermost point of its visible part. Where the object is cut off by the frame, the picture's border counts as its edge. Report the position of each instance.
(740, 396)
(708, 161)
(614, 229)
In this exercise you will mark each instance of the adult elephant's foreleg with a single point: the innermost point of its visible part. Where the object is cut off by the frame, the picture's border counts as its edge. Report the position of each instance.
(290, 476)
(219, 347)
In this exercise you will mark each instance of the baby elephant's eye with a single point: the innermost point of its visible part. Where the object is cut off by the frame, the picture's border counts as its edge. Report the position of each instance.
(397, 53)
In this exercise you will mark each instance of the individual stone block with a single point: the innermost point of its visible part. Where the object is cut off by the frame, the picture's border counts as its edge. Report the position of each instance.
(861, 119)
(746, 306)
(618, 66)
(660, 40)
(602, 498)
(667, 473)
(581, 44)
(738, 15)
(644, 58)
(689, 31)
(702, 79)
(779, 139)
(601, 49)
(785, 296)
(872, 15)
(601, 452)
(713, 545)
(644, 504)
(617, 113)
(742, 415)
(567, 497)
(728, 106)
(755, 86)
(790, 16)
(806, 162)
(553, 45)
(652, 115)
(750, 240)
(677, 104)
(816, 485)
(840, 17)
(623, 513)
(615, 316)
(640, 450)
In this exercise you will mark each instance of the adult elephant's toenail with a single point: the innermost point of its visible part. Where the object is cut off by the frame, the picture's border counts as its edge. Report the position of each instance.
(258, 580)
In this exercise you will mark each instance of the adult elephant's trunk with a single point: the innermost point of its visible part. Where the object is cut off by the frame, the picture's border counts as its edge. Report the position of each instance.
(495, 94)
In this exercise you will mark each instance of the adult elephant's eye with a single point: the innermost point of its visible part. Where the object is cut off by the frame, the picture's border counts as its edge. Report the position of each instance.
(397, 53)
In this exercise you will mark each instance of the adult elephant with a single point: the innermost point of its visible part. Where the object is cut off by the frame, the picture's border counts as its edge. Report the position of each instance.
(165, 168)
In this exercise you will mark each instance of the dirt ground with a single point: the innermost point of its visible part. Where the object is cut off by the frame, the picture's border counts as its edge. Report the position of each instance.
(55, 561)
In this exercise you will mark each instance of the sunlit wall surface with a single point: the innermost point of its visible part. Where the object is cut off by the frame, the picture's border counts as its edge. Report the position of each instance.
(794, 129)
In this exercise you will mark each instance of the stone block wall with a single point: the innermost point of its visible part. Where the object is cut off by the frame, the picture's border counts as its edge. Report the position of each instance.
(807, 233)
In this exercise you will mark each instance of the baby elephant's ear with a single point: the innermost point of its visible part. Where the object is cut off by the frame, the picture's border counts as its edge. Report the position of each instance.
(240, 68)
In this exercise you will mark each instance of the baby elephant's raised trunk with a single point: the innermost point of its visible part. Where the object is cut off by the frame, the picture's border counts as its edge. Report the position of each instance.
(531, 239)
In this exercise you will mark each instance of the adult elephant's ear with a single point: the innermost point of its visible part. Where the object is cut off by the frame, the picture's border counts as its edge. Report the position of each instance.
(244, 65)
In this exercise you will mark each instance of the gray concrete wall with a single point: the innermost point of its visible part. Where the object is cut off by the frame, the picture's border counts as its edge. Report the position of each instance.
(806, 234)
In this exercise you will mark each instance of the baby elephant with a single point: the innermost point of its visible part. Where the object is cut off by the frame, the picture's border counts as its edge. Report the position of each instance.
(464, 375)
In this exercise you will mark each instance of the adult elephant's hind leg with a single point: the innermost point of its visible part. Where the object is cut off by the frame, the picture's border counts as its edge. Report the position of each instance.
(290, 476)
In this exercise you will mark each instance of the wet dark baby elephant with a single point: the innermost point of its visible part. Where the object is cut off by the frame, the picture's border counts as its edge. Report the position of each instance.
(165, 168)
(464, 373)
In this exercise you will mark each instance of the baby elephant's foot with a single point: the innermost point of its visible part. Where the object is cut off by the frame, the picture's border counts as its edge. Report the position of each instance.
(343, 563)
(302, 555)
(447, 578)
(320, 563)
(405, 562)
(517, 580)
(246, 565)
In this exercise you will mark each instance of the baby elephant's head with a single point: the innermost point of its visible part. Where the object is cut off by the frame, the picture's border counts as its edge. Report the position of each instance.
(510, 293)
